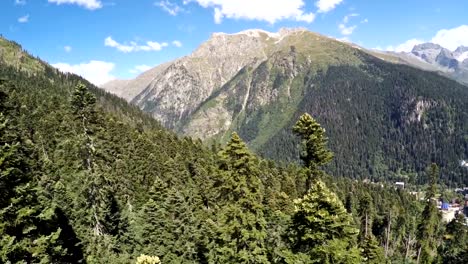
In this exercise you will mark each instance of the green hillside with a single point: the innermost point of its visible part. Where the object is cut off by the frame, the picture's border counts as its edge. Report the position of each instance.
(87, 178)
(386, 121)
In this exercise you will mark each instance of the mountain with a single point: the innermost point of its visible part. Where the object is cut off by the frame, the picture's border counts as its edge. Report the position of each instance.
(13, 55)
(88, 178)
(384, 119)
(433, 57)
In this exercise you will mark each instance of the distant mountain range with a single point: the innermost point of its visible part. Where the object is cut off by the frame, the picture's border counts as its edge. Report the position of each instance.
(433, 57)
(381, 115)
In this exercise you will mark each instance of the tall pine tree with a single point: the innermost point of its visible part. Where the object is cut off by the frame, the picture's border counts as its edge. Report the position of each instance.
(239, 225)
(314, 152)
(430, 220)
(31, 231)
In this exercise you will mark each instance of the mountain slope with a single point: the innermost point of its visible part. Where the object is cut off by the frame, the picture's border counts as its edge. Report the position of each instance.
(113, 185)
(433, 57)
(12, 54)
(385, 120)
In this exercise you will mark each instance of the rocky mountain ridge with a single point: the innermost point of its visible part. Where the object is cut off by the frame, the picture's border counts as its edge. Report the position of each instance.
(379, 112)
(434, 57)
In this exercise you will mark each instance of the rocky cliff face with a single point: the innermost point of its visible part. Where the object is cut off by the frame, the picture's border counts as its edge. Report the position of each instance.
(177, 91)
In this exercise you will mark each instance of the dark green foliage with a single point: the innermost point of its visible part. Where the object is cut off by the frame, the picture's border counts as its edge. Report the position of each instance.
(455, 246)
(322, 229)
(314, 150)
(371, 251)
(430, 220)
(239, 224)
(371, 116)
(86, 177)
(30, 229)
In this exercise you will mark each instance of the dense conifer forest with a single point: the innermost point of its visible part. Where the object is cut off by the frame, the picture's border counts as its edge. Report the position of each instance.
(87, 178)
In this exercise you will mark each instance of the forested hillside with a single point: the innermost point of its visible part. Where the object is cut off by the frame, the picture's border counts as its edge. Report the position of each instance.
(386, 121)
(87, 178)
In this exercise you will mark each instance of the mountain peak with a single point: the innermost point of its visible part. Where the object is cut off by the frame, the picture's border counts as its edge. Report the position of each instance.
(256, 33)
(461, 49)
(426, 46)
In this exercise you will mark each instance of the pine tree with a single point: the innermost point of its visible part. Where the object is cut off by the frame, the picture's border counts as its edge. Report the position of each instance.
(455, 247)
(99, 202)
(239, 226)
(430, 219)
(154, 225)
(314, 152)
(365, 213)
(30, 230)
(371, 251)
(322, 229)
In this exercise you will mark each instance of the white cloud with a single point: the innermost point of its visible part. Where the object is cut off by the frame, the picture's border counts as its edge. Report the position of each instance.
(20, 2)
(325, 6)
(172, 8)
(67, 48)
(177, 43)
(405, 46)
(452, 38)
(140, 68)
(88, 4)
(133, 46)
(365, 20)
(24, 19)
(261, 10)
(97, 72)
(346, 30)
(347, 17)
(447, 38)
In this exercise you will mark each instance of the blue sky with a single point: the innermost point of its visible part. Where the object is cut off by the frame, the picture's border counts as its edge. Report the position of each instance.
(106, 39)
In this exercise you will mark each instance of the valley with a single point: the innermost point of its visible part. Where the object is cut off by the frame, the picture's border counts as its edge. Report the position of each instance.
(233, 132)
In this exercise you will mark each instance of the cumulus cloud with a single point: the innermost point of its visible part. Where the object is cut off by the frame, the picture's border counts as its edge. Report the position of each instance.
(344, 28)
(177, 43)
(88, 4)
(133, 46)
(405, 46)
(172, 8)
(20, 2)
(325, 6)
(452, 38)
(140, 68)
(24, 19)
(261, 10)
(447, 38)
(67, 48)
(97, 72)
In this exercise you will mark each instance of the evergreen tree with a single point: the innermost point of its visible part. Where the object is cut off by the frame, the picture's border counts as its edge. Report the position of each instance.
(371, 251)
(155, 236)
(322, 229)
(239, 227)
(365, 213)
(430, 219)
(314, 152)
(30, 230)
(455, 247)
(99, 203)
